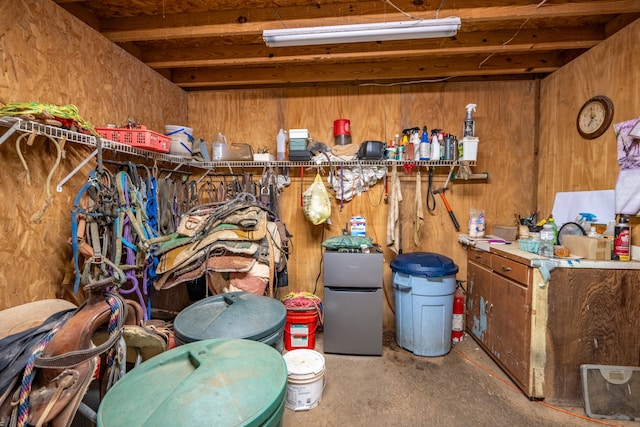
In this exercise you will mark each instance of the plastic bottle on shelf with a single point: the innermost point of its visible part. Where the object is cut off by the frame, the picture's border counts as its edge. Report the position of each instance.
(219, 149)
(416, 146)
(455, 147)
(585, 219)
(281, 145)
(622, 239)
(555, 230)
(425, 146)
(409, 151)
(415, 138)
(546, 241)
(469, 128)
(442, 147)
(593, 233)
(448, 147)
(400, 150)
(435, 145)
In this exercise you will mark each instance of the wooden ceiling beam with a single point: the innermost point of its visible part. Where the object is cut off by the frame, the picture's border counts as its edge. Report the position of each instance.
(81, 13)
(619, 22)
(465, 44)
(367, 72)
(254, 21)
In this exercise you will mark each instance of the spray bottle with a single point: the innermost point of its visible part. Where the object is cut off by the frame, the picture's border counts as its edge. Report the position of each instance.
(409, 150)
(425, 147)
(441, 143)
(435, 145)
(402, 147)
(469, 128)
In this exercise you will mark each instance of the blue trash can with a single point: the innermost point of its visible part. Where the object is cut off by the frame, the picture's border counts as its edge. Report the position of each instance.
(424, 284)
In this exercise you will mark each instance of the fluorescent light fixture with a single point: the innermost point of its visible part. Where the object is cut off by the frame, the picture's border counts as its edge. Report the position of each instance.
(402, 30)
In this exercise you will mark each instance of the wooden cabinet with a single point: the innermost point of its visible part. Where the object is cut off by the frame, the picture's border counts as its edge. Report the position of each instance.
(593, 318)
(498, 310)
(540, 332)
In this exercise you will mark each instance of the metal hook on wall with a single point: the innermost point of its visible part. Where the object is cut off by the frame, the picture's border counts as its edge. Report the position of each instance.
(174, 170)
(203, 176)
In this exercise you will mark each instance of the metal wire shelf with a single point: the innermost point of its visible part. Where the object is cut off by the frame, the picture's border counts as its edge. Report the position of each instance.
(21, 125)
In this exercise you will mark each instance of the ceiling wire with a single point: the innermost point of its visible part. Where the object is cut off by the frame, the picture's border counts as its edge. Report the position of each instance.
(408, 15)
(275, 12)
(505, 43)
(440, 7)
(443, 79)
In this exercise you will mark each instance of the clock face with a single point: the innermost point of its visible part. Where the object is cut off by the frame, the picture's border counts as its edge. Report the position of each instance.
(594, 117)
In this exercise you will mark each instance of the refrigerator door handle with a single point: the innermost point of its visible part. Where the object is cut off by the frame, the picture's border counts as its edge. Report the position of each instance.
(353, 290)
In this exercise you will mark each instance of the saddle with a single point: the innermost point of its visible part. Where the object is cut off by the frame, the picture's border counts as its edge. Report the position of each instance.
(70, 360)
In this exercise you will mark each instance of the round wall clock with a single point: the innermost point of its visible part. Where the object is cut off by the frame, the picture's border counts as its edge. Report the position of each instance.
(595, 117)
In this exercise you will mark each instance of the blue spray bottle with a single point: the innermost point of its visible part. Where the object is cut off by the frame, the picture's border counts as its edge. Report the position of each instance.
(425, 147)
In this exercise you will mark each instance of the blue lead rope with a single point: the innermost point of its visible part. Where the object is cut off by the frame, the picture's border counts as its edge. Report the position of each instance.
(74, 231)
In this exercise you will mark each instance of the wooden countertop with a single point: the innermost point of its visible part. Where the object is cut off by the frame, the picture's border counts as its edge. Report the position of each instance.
(513, 252)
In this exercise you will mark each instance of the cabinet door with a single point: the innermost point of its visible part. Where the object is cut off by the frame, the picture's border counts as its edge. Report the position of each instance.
(478, 292)
(509, 314)
(594, 318)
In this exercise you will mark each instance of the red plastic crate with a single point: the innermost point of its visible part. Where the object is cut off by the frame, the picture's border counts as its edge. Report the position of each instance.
(138, 137)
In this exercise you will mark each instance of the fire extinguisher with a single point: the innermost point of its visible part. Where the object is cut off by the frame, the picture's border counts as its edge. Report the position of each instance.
(457, 326)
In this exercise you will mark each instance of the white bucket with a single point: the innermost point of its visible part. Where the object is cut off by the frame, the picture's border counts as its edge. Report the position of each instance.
(305, 379)
(181, 140)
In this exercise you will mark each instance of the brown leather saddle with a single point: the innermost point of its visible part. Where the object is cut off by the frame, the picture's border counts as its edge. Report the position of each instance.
(73, 357)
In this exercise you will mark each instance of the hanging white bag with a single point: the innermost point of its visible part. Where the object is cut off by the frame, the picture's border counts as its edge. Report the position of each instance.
(316, 202)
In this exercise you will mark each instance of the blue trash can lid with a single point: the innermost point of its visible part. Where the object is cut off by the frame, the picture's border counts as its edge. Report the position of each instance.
(424, 264)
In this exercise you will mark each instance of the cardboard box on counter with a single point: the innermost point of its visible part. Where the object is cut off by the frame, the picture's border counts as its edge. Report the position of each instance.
(506, 232)
(588, 247)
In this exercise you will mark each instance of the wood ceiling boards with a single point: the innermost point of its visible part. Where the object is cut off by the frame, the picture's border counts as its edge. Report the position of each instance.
(201, 44)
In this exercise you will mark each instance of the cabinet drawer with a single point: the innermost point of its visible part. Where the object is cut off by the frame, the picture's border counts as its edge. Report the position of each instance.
(511, 269)
(479, 257)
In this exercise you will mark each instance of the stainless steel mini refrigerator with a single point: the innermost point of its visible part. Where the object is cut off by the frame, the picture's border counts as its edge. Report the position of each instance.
(353, 303)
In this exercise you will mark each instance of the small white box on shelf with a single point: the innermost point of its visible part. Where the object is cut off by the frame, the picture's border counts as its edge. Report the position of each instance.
(263, 157)
(298, 133)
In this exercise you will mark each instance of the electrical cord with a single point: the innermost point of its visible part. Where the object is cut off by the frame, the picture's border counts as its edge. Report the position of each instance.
(379, 200)
(315, 287)
(384, 289)
(431, 199)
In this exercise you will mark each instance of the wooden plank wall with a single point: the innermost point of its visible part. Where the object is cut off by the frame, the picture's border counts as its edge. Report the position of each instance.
(568, 162)
(48, 56)
(506, 125)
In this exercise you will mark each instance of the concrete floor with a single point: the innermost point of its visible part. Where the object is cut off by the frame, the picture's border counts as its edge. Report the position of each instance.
(463, 388)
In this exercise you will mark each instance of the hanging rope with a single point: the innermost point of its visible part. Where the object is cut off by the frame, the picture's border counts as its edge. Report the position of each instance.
(301, 300)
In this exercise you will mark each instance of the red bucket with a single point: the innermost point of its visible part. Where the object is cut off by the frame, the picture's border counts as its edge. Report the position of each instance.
(300, 329)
